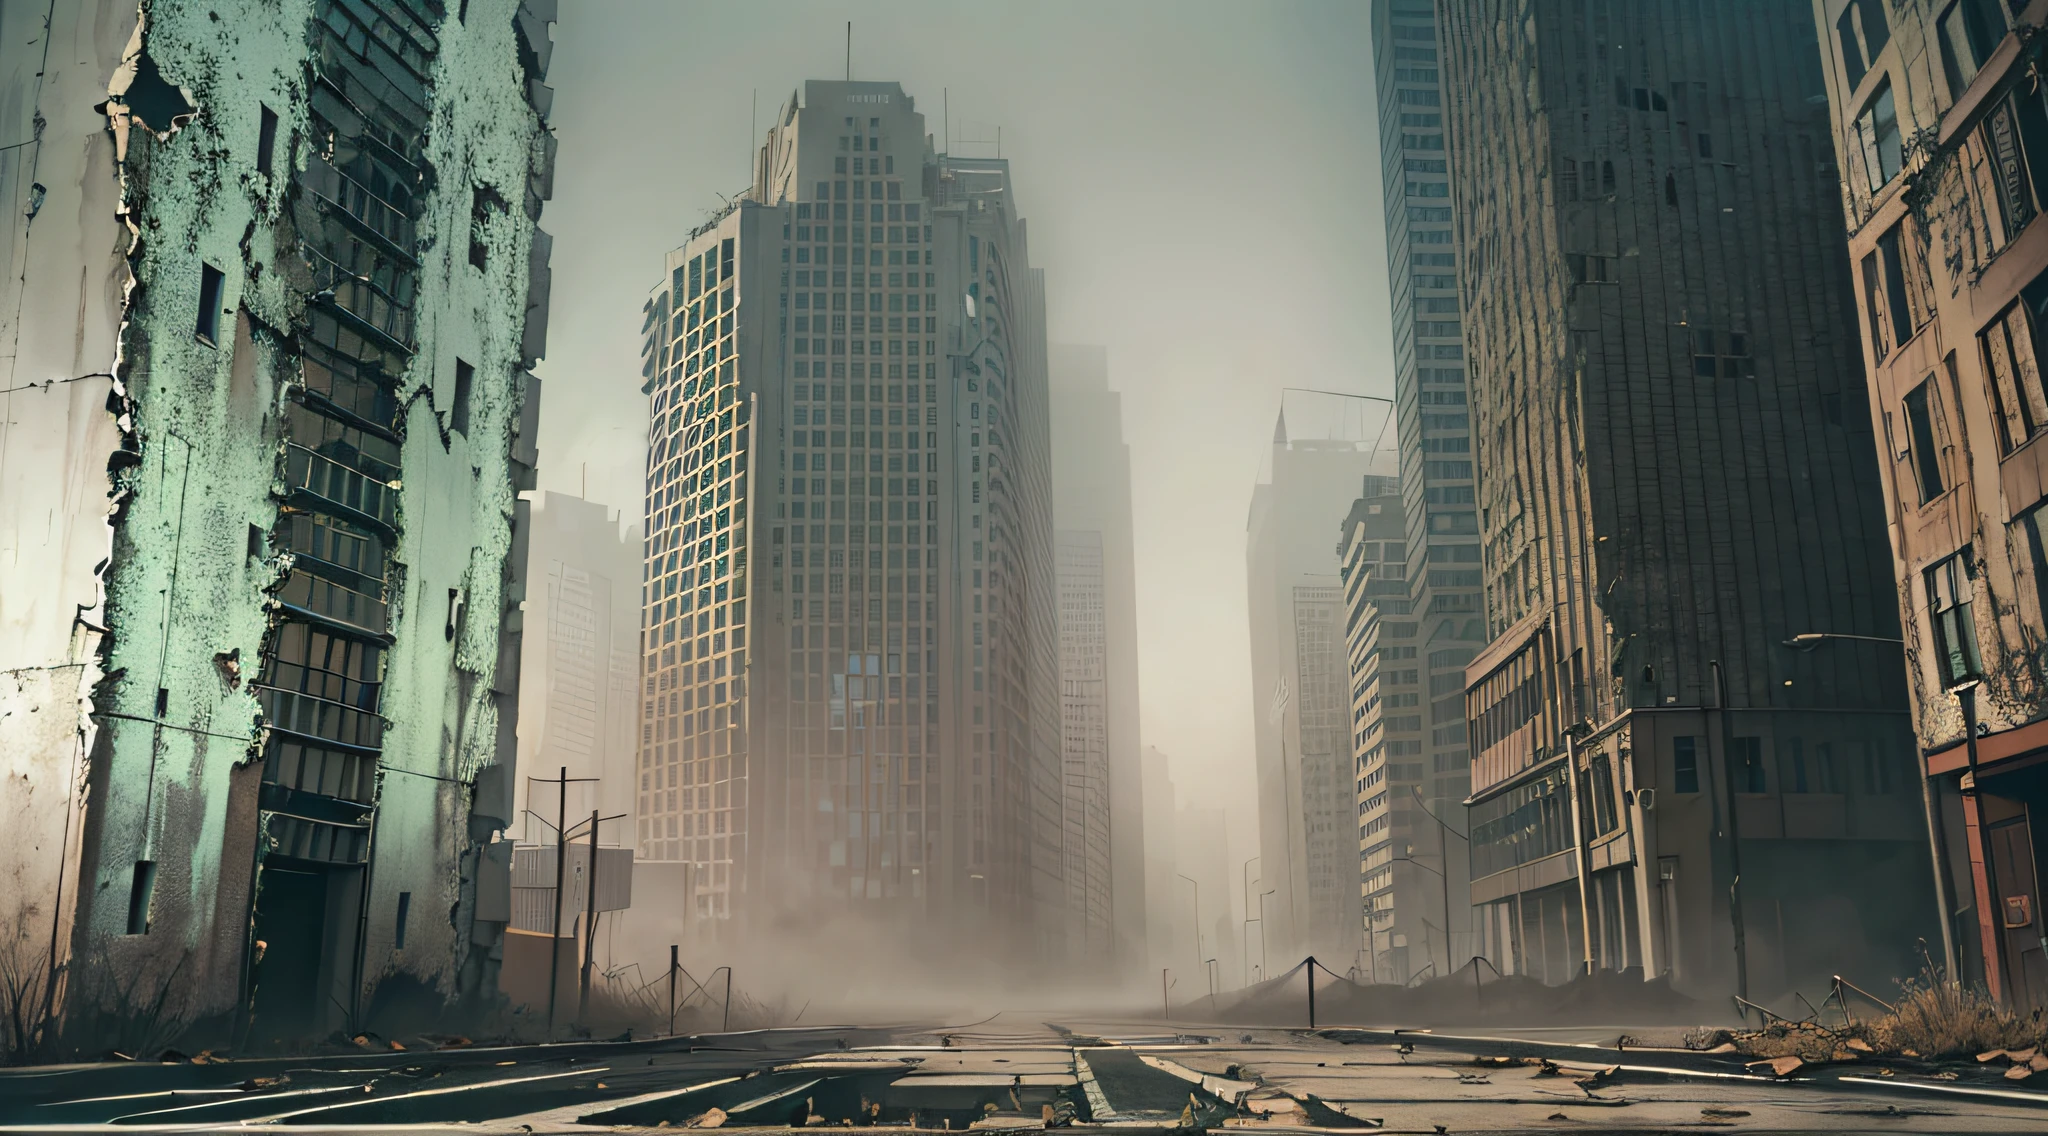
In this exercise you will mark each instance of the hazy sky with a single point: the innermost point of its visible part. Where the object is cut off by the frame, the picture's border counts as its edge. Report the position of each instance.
(1202, 188)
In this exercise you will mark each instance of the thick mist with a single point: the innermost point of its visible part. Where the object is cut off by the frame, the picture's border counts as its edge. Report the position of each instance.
(1201, 186)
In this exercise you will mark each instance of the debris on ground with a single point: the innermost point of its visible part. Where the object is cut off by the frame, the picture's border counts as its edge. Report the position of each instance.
(1776, 1066)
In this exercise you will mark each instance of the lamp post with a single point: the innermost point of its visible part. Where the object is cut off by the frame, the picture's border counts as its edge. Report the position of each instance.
(1198, 913)
(1245, 929)
(1937, 840)
(1444, 854)
(1265, 967)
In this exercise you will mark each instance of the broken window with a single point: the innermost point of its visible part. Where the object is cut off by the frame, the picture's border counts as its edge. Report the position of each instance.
(1877, 128)
(2011, 355)
(1924, 451)
(1949, 594)
(211, 283)
(1969, 30)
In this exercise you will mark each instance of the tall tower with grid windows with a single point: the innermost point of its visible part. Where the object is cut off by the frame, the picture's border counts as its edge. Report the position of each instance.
(849, 693)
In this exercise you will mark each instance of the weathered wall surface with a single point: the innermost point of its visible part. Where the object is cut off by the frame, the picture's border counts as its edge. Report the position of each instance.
(121, 408)
(60, 302)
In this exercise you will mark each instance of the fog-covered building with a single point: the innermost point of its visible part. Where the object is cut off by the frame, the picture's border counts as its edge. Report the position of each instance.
(850, 633)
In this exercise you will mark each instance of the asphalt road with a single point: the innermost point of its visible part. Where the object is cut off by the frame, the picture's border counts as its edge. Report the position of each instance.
(1018, 1071)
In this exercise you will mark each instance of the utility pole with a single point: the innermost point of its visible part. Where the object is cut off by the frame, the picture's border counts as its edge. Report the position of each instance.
(1245, 931)
(561, 867)
(1165, 1003)
(589, 925)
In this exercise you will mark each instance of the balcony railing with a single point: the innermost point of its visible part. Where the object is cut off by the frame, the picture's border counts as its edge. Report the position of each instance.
(320, 718)
(325, 478)
(355, 199)
(360, 299)
(343, 605)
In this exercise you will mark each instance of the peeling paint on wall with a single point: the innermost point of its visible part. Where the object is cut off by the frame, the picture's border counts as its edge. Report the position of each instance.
(296, 480)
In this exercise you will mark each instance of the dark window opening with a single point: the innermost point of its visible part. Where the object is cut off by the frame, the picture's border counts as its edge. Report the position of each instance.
(211, 283)
(140, 888)
(398, 930)
(1607, 178)
(1863, 33)
(1896, 299)
(256, 541)
(458, 411)
(1970, 31)
(1685, 765)
(1746, 765)
(1671, 190)
(2034, 521)
(266, 140)
(1926, 455)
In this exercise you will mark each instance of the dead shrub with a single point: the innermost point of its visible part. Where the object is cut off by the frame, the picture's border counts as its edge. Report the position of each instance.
(1936, 1018)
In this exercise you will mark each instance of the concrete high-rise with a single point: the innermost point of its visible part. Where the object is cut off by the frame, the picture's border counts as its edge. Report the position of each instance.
(1941, 133)
(1308, 838)
(1401, 852)
(1673, 483)
(1433, 428)
(1104, 830)
(850, 655)
(267, 412)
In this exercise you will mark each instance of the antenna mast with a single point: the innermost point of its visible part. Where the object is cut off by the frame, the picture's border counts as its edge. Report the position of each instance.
(849, 51)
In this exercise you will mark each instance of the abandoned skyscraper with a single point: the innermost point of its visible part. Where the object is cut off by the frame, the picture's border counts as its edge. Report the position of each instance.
(1941, 130)
(1444, 617)
(1675, 481)
(274, 289)
(850, 656)
(1323, 445)
(1402, 873)
(1103, 808)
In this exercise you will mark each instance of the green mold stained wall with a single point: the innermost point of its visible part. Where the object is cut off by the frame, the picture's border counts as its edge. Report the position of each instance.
(203, 432)
(186, 600)
(444, 696)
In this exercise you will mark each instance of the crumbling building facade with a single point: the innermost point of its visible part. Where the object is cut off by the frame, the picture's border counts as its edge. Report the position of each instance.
(1674, 483)
(850, 655)
(1941, 133)
(275, 286)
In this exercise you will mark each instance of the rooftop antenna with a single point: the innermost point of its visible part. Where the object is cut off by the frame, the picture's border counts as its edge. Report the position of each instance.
(753, 122)
(849, 51)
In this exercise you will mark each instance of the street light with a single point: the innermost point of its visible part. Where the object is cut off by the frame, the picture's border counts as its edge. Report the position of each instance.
(1937, 841)
(1265, 967)
(1245, 930)
(1444, 854)
(1198, 913)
